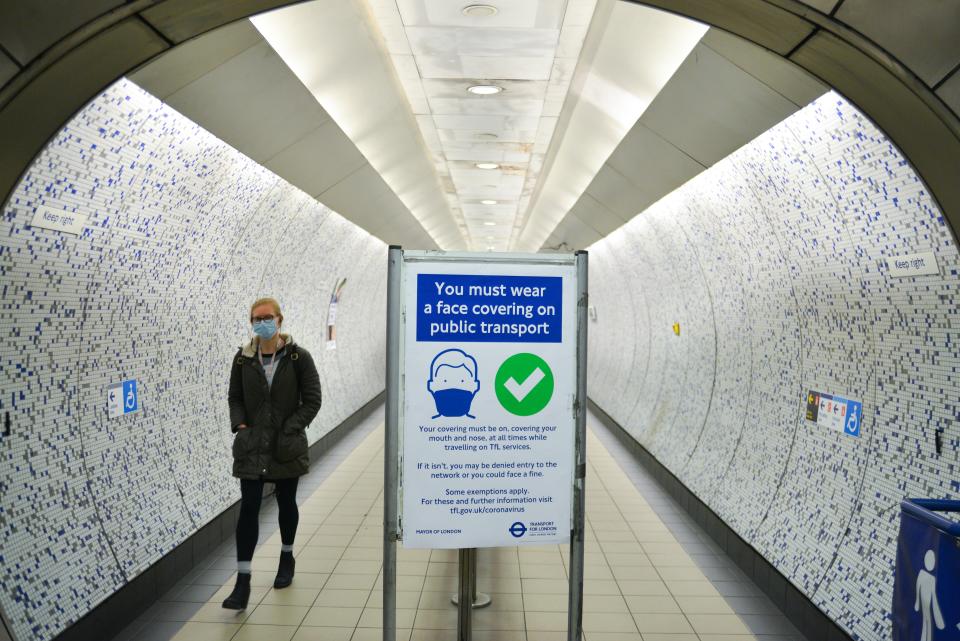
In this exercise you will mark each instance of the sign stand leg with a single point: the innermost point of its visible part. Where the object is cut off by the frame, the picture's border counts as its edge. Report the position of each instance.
(479, 599)
(391, 448)
(575, 592)
(464, 607)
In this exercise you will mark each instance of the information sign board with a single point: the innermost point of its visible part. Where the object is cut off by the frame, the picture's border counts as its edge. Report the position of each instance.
(835, 412)
(489, 383)
(122, 398)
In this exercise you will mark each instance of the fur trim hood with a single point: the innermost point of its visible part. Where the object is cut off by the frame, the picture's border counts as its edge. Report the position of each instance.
(250, 349)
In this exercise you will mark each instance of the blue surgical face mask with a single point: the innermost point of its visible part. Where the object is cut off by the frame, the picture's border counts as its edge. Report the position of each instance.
(265, 329)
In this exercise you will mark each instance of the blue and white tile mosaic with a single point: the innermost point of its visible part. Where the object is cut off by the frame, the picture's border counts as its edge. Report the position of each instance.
(183, 232)
(781, 253)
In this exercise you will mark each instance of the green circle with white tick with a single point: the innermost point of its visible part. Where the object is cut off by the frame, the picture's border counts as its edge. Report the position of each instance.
(524, 384)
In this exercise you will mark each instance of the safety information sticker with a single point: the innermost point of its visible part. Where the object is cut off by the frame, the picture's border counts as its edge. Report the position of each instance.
(489, 380)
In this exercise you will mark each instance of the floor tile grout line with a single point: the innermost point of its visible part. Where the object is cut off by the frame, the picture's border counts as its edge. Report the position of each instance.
(259, 603)
(343, 495)
(623, 457)
(343, 444)
(604, 552)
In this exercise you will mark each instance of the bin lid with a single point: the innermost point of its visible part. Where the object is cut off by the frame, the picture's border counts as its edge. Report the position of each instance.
(927, 510)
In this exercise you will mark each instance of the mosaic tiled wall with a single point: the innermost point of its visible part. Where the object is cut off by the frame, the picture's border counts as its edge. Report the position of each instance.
(775, 263)
(183, 233)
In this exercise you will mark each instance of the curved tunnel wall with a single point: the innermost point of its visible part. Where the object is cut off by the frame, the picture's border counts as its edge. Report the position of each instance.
(183, 233)
(775, 263)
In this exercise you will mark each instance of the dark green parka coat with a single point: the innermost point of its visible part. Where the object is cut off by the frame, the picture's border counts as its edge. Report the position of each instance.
(274, 443)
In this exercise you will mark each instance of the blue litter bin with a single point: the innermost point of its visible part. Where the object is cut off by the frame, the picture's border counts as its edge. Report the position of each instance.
(925, 598)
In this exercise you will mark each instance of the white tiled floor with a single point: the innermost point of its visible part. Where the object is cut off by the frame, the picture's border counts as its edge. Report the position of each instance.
(650, 575)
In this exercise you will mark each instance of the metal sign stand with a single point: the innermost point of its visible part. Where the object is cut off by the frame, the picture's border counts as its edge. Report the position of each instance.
(391, 450)
(478, 599)
(467, 597)
(575, 590)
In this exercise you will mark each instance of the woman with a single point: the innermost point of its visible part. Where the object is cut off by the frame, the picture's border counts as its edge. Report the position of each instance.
(274, 394)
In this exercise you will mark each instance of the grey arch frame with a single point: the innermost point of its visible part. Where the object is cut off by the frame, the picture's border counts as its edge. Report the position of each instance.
(47, 91)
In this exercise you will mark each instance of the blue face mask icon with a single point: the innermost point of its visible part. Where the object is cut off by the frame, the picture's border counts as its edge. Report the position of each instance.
(453, 382)
(453, 402)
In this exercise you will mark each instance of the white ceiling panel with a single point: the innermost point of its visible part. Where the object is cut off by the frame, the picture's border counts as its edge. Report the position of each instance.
(494, 105)
(335, 48)
(612, 190)
(318, 161)
(475, 209)
(570, 234)
(712, 107)
(600, 219)
(444, 67)
(495, 152)
(651, 163)
(195, 58)
(434, 88)
(360, 189)
(490, 123)
(232, 83)
(789, 80)
(646, 166)
(483, 42)
(631, 51)
(275, 113)
(514, 14)
(479, 135)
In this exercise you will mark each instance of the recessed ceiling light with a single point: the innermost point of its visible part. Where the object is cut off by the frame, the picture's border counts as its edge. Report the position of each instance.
(479, 10)
(488, 202)
(486, 165)
(484, 90)
(490, 224)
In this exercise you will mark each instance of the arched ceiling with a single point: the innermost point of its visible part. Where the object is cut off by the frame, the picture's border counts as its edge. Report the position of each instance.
(897, 61)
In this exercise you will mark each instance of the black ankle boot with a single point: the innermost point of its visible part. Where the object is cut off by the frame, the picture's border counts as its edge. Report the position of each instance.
(285, 570)
(241, 593)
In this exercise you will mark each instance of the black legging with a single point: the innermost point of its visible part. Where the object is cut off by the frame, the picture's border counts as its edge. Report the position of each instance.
(248, 524)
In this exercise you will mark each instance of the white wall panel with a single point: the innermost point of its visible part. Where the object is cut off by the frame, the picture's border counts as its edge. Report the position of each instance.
(760, 454)
(183, 233)
(721, 258)
(614, 332)
(786, 247)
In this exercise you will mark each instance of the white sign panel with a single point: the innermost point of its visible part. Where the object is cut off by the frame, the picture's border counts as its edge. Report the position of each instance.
(489, 381)
(122, 398)
(922, 264)
(835, 412)
(65, 221)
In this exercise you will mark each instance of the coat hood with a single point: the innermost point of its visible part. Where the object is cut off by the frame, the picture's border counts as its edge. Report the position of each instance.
(250, 349)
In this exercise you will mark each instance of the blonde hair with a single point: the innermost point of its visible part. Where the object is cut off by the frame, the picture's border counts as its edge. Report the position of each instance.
(267, 301)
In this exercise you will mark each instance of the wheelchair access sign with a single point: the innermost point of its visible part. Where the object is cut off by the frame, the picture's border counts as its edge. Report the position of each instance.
(835, 412)
(122, 398)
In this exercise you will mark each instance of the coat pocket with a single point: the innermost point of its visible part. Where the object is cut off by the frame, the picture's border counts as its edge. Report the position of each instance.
(243, 442)
(291, 444)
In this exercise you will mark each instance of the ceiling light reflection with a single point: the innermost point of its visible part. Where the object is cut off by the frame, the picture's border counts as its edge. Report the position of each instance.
(484, 90)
